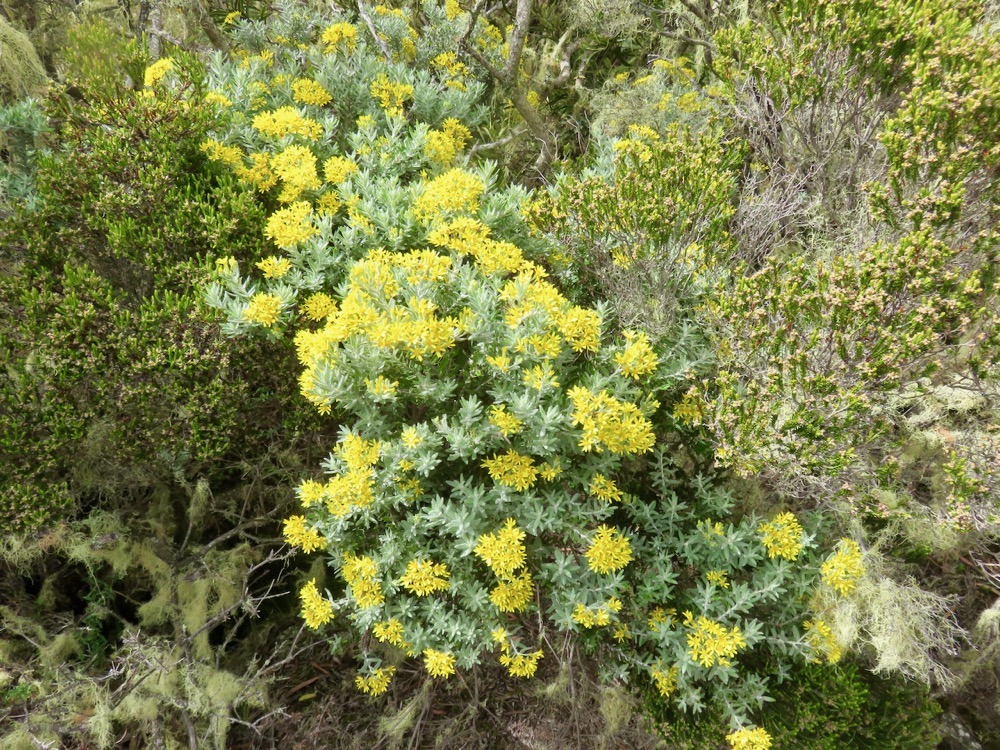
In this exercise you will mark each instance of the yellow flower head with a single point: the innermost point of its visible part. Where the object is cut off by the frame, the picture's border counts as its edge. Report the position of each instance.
(391, 95)
(843, 569)
(581, 328)
(513, 594)
(298, 535)
(749, 739)
(504, 550)
(512, 470)
(666, 680)
(228, 155)
(155, 72)
(274, 268)
(340, 36)
(292, 225)
(287, 121)
(390, 631)
(451, 192)
(337, 169)
(609, 551)
(318, 306)
(423, 577)
(308, 91)
(521, 665)
(719, 577)
(504, 421)
(263, 309)
(709, 643)
(439, 663)
(820, 638)
(605, 489)
(638, 358)
(376, 682)
(296, 167)
(316, 610)
(782, 537)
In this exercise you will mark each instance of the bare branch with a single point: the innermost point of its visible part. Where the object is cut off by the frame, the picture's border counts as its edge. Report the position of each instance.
(522, 20)
(379, 41)
(496, 144)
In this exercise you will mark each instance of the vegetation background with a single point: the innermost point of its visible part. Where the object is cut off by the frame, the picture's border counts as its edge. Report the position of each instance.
(755, 242)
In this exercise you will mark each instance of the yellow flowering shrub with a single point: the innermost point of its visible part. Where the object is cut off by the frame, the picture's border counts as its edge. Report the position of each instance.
(502, 461)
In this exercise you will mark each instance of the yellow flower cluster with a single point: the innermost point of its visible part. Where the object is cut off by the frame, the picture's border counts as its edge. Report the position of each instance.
(782, 537)
(226, 266)
(361, 574)
(821, 639)
(274, 268)
(550, 469)
(316, 610)
(228, 155)
(423, 577)
(466, 236)
(443, 145)
(319, 305)
(292, 225)
(354, 488)
(519, 665)
(310, 493)
(376, 682)
(843, 569)
(423, 266)
(259, 174)
(513, 594)
(369, 310)
(452, 70)
(605, 489)
(609, 550)
(287, 121)
(450, 192)
(608, 422)
(688, 409)
(452, 9)
(596, 617)
(391, 631)
(340, 36)
(719, 577)
(711, 530)
(298, 535)
(503, 551)
(263, 309)
(512, 470)
(155, 72)
(540, 377)
(439, 663)
(749, 739)
(308, 91)
(391, 95)
(581, 328)
(296, 167)
(638, 358)
(338, 168)
(328, 204)
(381, 387)
(666, 681)
(709, 643)
(504, 421)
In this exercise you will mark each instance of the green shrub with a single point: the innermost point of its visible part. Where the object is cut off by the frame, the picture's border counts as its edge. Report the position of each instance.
(820, 707)
(114, 373)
